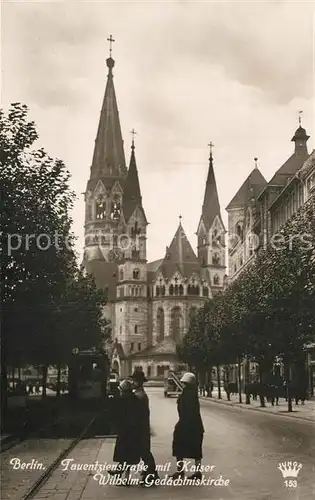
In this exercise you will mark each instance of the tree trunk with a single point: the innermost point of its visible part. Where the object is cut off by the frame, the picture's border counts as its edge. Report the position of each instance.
(227, 381)
(288, 381)
(239, 381)
(261, 386)
(219, 382)
(58, 380)
(247, 389)
(44, 380)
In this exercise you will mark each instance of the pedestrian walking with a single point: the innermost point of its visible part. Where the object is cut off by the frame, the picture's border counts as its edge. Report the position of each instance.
(189, 430)
(145, 430)
(127, 419)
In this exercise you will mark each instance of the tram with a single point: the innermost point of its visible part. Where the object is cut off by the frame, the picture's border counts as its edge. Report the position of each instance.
(88, 374)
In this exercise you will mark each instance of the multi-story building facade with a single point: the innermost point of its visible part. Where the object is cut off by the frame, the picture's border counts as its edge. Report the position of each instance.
(260, 209)
(149, 304)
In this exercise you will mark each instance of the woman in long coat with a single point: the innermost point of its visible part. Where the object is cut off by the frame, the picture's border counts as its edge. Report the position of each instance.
(127, 418)
(189, 430)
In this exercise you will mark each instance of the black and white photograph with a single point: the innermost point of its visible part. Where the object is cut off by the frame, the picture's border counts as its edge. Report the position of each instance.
(157, 173)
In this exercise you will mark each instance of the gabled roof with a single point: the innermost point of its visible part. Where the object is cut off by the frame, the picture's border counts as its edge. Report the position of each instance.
(251, 188)
(180, 257)
(288, 169)
(109, 158)
(291, 166)
(165, 348)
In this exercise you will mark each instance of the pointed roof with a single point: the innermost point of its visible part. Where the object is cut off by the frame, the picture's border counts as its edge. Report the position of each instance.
(211, 205)
(109, 158)
(293, 164)
(132, 194)
(180, 257)
(251, 188)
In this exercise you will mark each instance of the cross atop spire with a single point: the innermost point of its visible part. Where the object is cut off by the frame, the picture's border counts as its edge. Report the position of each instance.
(300, 116)
(133, 133)
(210, 146)
(110, 40)
(256, 164)
(180, 219)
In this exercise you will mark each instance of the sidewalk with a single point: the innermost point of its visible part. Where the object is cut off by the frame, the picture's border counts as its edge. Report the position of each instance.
(302, 412)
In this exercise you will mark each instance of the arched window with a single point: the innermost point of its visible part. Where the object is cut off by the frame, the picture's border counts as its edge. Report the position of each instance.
(132, 290)
(176, 290)
(121, 274)
(157, 291)
(176, 320)
(115, 209)
(163, 290)
(160, 323)
(205, 291)
(239, 230)
(216, 259)
(100, 209)
(135, 254)
(120, 329)
(197, 290)
(171, 290)
(216, 280)
(136, 328)
(181, 290)
(137, 290)
(136, 274)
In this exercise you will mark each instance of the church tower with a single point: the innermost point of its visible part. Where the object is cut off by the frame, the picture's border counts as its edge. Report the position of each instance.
(131, 308)
(211, 233)
(104, 218)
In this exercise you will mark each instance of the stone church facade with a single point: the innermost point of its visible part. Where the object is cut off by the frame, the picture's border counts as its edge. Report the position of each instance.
(149, 304)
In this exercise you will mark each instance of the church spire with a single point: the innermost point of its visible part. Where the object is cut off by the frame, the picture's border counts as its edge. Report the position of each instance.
(132, 193)
(211, 205)
(109, 158)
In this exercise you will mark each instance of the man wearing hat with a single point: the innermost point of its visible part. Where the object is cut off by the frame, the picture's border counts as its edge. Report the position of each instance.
(145, 431)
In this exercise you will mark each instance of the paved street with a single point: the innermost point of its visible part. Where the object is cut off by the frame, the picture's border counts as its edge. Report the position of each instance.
(244, 446)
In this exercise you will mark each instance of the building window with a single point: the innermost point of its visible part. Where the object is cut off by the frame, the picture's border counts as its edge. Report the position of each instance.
(181, 290)
(136, 309)
(163, 290)
(139, 347)
(171, 290)
(120, 329)
(131, 346)
(121, 309)
(121, 274)
(100, 209)
(115, 209)
(136, 328)
(205, 291)
(157, 291)
(121, 292)
(193, 290)
(149, 371)
(135, 254)
(136, 274)
(176, 319)
(216, 260)
(216, 280)
(160, 321)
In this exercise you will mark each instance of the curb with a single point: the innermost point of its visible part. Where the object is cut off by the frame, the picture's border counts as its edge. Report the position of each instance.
(261, 410)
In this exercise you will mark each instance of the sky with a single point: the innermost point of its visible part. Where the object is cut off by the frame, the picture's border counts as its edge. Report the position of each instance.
(186, 73)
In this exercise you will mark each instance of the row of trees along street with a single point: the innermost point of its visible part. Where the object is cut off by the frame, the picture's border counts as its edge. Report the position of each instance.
(265, 314)
(48, 306)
